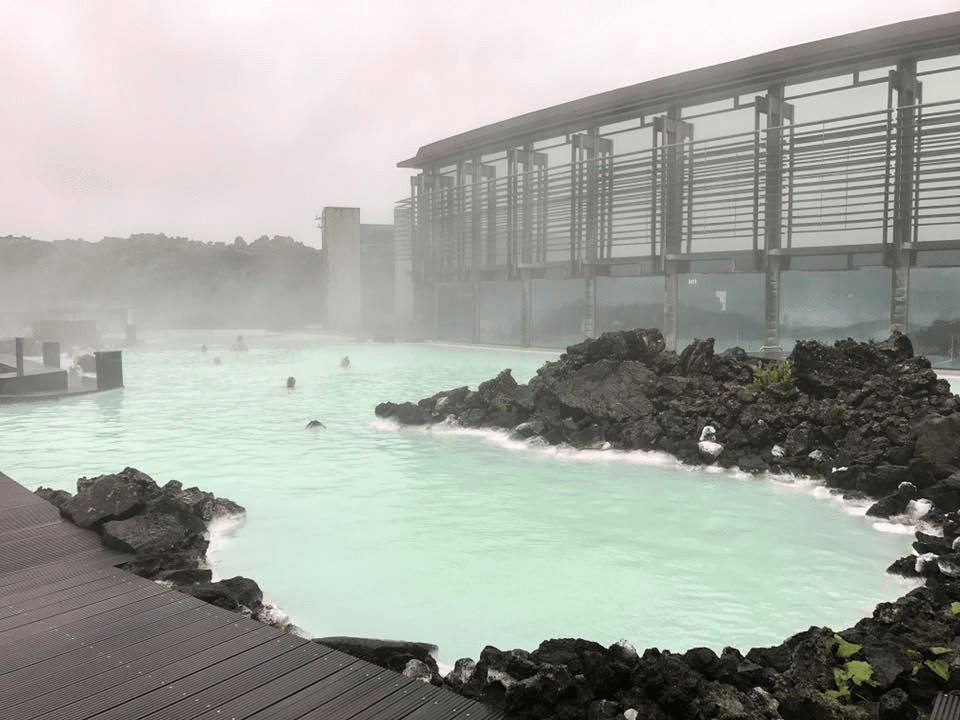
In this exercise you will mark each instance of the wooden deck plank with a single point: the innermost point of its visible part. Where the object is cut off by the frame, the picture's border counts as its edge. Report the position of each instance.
(36, 575)
(83, 618)
(28, 592)
(42, 549)
(198, 676)
(49, 525)
(480, 711)
(378, 687)
(441, 707)
(89, 660)
(121, 593)
(249, 682)
(76, 563)
(108, 637)
(400, 703)
(353, 674)
(13, 494)
(85, 628)
(117, 637)
(48, 534)
(280, 688)
(27, 515)
(64, 597)
(108, 702)
(107, 689)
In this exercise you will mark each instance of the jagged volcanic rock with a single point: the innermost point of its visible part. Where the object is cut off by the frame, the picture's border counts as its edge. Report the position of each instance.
(867, 416)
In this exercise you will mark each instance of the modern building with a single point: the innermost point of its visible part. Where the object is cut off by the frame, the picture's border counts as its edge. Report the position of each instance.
(812, 191)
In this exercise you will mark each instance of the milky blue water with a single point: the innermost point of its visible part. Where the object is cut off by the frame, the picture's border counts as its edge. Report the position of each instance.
(452, 537)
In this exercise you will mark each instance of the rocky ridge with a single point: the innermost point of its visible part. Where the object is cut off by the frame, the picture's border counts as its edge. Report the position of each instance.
(871, 419)
(165, 530)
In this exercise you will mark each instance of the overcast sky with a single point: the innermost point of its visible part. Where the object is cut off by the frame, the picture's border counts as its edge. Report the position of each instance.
(217, 118)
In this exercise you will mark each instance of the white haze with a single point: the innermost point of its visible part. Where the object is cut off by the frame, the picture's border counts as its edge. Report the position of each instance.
(240, 117)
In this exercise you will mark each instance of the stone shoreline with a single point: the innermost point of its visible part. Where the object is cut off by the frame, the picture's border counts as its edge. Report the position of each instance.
(870, 418)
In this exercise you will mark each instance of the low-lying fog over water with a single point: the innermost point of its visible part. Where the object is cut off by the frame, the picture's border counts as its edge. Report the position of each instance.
(453, 537)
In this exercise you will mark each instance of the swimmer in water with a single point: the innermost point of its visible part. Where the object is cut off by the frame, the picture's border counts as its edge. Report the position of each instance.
(291, 381)
(345, 361)
(239, 344)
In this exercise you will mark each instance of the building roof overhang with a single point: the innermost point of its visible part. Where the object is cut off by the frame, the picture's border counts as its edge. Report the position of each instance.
(919, 39)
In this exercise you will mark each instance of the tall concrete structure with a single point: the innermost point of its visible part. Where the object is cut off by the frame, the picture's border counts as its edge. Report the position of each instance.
(362, 275)
(340, 232)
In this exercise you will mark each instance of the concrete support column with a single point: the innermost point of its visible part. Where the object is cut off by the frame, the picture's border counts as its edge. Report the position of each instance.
(771, 304)
(526, 307)
(475, 335)
(590, 302)
(435, 317)
(51, 354)
(403, 275)
(777, 112)
(904, 80)
(341, 240)
(672, 133)
(670, 300)
(587, 149)
(18, 343)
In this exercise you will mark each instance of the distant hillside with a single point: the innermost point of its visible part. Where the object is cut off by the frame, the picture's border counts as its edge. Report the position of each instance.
(168, 281)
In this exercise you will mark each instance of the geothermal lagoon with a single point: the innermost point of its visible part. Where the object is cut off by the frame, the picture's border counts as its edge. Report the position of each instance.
(454, 537)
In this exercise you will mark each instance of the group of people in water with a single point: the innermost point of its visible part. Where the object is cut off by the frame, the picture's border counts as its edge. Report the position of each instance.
(344, 363)
(239, 345)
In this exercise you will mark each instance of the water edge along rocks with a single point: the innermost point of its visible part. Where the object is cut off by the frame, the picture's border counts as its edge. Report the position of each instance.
(871, 419)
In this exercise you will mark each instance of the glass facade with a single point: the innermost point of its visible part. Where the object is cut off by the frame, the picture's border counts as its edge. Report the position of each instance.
(499, 311)
(556, 312)
(833, 305)
(626, 303)
(935, 314)
(725, 306)
(455, 316)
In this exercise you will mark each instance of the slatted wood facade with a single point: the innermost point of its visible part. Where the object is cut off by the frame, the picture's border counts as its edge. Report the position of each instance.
(80, 638)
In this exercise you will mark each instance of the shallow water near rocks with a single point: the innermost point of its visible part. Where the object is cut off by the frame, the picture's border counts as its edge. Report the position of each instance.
(455, 537)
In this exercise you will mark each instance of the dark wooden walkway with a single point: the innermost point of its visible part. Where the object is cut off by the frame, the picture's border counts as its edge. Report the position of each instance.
(80, 638)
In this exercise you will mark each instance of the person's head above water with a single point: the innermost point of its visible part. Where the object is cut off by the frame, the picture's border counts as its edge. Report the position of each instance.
(291, 381)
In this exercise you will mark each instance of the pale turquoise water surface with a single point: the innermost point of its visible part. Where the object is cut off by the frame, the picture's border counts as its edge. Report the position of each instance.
(456, 538)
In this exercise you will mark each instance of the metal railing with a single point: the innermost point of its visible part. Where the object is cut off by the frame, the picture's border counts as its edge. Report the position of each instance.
(836, 187)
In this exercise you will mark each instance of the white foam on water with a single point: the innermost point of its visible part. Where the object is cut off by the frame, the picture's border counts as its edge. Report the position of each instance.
(388, 425)
(222, 531)
(857, 507)
(891, 526)
(274, 615)
(908, 584)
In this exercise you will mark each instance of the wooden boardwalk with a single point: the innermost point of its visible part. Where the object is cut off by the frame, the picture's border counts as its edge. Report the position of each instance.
(80, 638)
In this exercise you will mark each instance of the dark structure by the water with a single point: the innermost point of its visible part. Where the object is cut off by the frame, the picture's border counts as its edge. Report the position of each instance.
(23, 379)
(809, 192)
